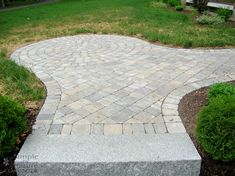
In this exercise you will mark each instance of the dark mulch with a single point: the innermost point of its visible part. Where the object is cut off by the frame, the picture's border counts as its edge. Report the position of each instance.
(7, 167)
(189, 106)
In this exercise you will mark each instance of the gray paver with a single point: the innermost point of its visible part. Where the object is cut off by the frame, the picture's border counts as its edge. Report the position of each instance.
(122, 115)
(111, 129)
(175, 127)
(81, 129)
(97, 129)
(138, 128)
(144, 117)
(160, 128)
(55, 129)
(127, 129)
(66, 130)
(149, 129)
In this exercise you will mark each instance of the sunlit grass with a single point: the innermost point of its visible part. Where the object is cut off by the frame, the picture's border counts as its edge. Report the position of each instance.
(19, 83)
(129, 17)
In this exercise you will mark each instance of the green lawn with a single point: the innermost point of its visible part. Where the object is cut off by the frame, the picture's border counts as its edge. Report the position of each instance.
(125, 17)
(19, 83)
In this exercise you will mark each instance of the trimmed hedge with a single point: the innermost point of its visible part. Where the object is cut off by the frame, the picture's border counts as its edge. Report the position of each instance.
(215, 129)
(12, 124)
(224, 13)
(221, 89)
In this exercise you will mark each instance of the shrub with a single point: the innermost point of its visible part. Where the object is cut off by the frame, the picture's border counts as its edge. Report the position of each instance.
(224, 13)
(179, 7)
(206, 19)
(200, 5)
(216, 128)
(174, 2)
(221, 89)
(12, 124)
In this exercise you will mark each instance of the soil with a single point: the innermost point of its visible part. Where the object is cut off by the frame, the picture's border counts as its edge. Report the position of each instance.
(189, 106)
(7, 167)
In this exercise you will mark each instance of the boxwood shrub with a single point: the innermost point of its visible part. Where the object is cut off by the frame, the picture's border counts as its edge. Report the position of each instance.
(12, 124)
(179, 8)
(225, 13)
(174, 2)
(221, 89)
(215, 129)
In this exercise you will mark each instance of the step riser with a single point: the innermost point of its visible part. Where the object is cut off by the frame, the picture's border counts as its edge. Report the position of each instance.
(176, 168)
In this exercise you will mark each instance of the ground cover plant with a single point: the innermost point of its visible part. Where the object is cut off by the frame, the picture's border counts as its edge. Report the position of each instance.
(130, 17)
(209, 19)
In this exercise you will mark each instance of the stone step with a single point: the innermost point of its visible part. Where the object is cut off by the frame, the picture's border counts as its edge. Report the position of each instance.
(215, 5)
(116, 155)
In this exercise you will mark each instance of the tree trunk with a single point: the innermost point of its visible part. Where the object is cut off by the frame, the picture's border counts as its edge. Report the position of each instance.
(3, 3)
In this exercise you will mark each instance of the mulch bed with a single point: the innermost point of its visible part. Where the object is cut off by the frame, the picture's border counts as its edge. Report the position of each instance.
(7, 167)
(189, 106)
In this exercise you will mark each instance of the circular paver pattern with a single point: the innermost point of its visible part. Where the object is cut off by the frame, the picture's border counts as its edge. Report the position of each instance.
(108, 84)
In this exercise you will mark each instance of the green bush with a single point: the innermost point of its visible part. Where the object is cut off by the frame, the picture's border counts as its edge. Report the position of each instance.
(12, 124)
(221, 89)
(174, 2)
(216, 128)
(207, 19)
(179, 7)
(224, 13)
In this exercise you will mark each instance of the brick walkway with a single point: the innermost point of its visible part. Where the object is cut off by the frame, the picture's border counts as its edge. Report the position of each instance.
(107, 84)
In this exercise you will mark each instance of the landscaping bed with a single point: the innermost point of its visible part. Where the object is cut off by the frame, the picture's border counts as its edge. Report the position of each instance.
(21, 98)
(189, 107)
(7, 167)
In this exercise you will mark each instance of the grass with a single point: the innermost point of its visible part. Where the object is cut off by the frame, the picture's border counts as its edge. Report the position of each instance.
(125, 17)
(19, 83)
